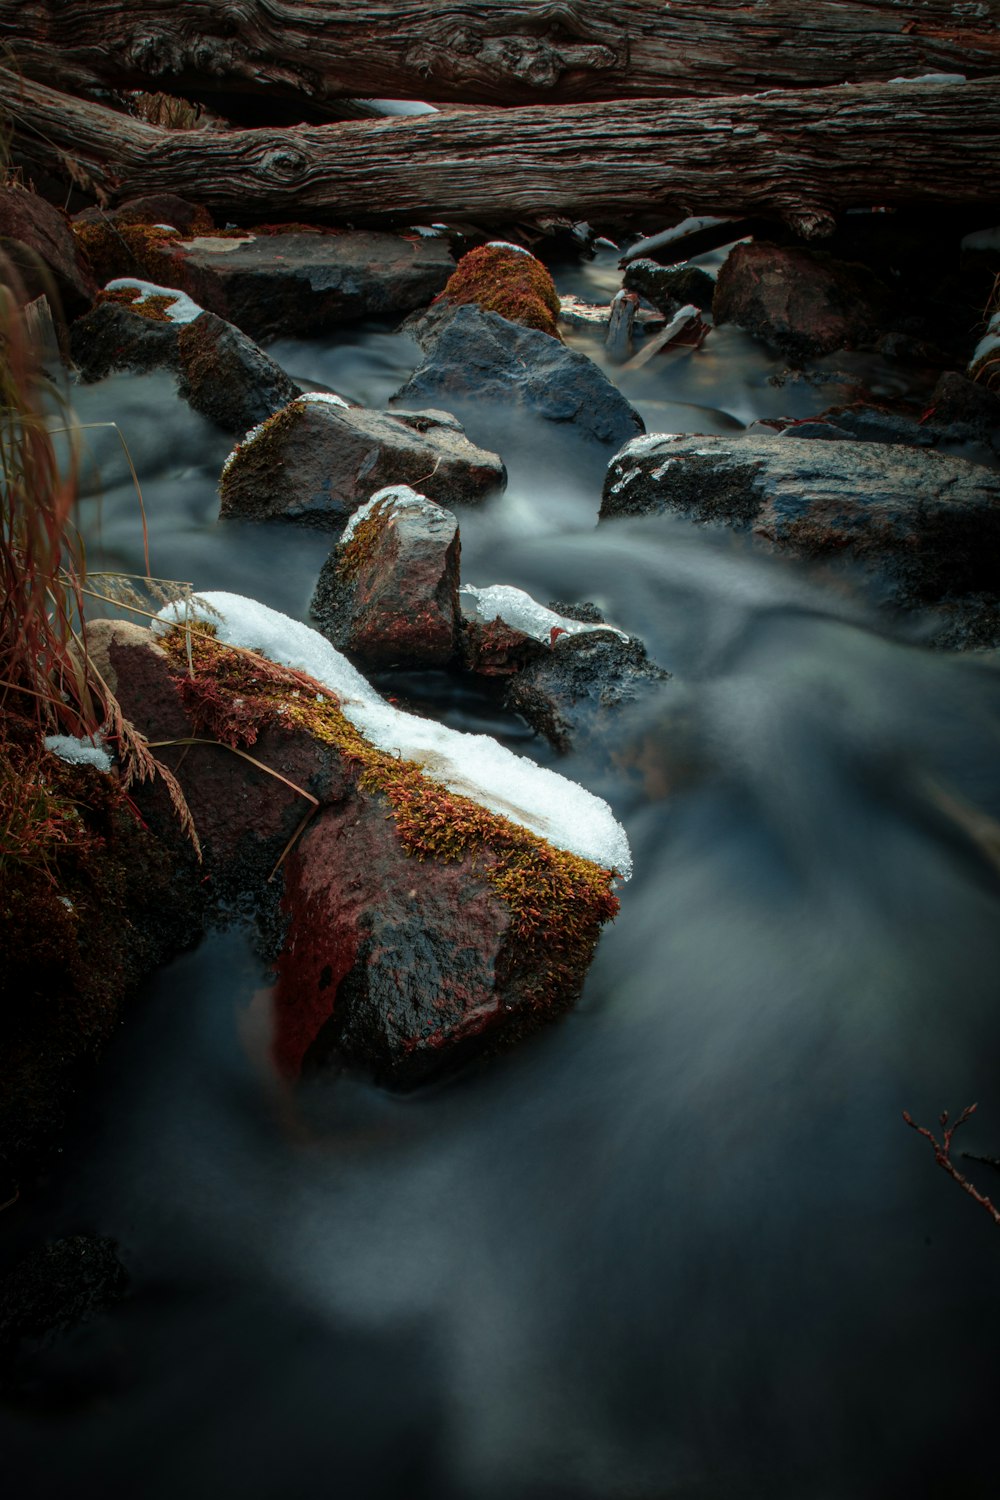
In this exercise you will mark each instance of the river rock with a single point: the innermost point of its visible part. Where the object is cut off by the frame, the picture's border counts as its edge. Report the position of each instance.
(153, 208)
(388, 593)
(415, 926)
(670, 288)
(226, 377)
(221, 373)
(318, 460)
(926, 523)
(36, 238)
(303, 285)
(478, 357)
(802, 301)
(574, 692)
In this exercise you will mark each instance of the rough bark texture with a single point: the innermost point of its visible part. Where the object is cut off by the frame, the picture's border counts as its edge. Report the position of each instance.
(513, 53)
(797, 156)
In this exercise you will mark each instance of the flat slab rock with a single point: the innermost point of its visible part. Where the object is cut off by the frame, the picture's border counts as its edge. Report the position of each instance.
(475, 356)
(302, 285)
(388, 593)
(926, 523)
(221, 373)
(318, 461)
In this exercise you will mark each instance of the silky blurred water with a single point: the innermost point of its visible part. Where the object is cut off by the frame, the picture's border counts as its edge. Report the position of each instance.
(679, 1245)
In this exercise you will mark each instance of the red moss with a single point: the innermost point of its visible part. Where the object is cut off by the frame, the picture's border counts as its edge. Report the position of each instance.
(153, 306)
(509, 282)
(145, 251)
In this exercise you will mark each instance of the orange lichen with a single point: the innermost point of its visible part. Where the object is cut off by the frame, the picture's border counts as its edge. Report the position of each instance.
(558, 901)
(509, 282)
(153, 305)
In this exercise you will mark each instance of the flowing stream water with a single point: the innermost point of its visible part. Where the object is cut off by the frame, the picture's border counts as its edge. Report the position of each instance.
(679, 1245)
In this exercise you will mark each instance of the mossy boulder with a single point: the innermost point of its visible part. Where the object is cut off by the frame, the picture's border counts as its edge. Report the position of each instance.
(509, 281)
(417, 928)
(388, 594)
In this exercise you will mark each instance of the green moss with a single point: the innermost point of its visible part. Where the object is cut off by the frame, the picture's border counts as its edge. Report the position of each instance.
(144, 251)
(557, 900)
(356, 551)
(252, 461)
(509, 282)
(153, 307)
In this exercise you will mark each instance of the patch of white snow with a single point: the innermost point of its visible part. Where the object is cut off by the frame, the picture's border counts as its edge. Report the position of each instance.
(78, 752)
(473, 765)
(181, 309)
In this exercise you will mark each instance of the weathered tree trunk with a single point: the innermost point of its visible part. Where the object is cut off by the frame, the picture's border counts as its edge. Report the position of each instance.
(800, 157)
(517, 52)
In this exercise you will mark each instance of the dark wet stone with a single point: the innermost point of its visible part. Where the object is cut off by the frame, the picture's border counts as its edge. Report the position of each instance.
(227, 378)
(153, 208)
(389, 596)
(112, 337)
(317, 462)
(576, 689)
(670, 289)
(59, 1286)
(802, 301)
(925, 523)
(303, 285)
(472, 356)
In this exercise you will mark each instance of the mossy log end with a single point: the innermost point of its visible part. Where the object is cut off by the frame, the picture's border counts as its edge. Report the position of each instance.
(796, 156)
(518, 52)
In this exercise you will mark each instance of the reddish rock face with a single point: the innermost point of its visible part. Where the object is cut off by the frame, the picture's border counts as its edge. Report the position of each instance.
(398, 956)
(390, 595)
(38, 240)
(800, 300)
(391, 965)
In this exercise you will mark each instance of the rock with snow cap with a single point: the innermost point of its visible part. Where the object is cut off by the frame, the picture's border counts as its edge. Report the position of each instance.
(136, 325)
(924, 523)
(444, 896)
(318, 460)
(388, 593)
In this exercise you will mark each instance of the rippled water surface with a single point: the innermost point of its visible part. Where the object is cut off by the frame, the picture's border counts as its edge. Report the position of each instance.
(680, 1245)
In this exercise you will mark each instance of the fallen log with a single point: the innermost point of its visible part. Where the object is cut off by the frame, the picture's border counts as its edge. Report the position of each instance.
(509, 53)
(800, 157)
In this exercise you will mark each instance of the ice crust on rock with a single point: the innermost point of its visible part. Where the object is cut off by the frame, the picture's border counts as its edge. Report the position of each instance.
(521, 612)
(508, 245)
(322, 398)
(78, 752)
(394, 497)
(988, 344)
(647, 444)
(473, 765)
(181, 310)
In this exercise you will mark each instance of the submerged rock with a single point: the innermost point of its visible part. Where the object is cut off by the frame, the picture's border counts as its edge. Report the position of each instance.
(802, 301)
(318, 460)
(475, 356)
(388, 593)
(420, 923)
(927, 524)
(221, 373)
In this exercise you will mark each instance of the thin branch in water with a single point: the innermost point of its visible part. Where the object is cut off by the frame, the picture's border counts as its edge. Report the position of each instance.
(942, 1155)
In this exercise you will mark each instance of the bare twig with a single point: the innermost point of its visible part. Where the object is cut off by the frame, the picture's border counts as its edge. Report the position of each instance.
(942, 1155)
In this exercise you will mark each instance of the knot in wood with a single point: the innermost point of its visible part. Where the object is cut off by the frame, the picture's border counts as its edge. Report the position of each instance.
(283, 164)
(153, 55)
(538, 63)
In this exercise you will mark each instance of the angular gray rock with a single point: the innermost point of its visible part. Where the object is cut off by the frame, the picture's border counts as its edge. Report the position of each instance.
(388, 593)
(927, 524)
(317, 461)
(475, 356)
